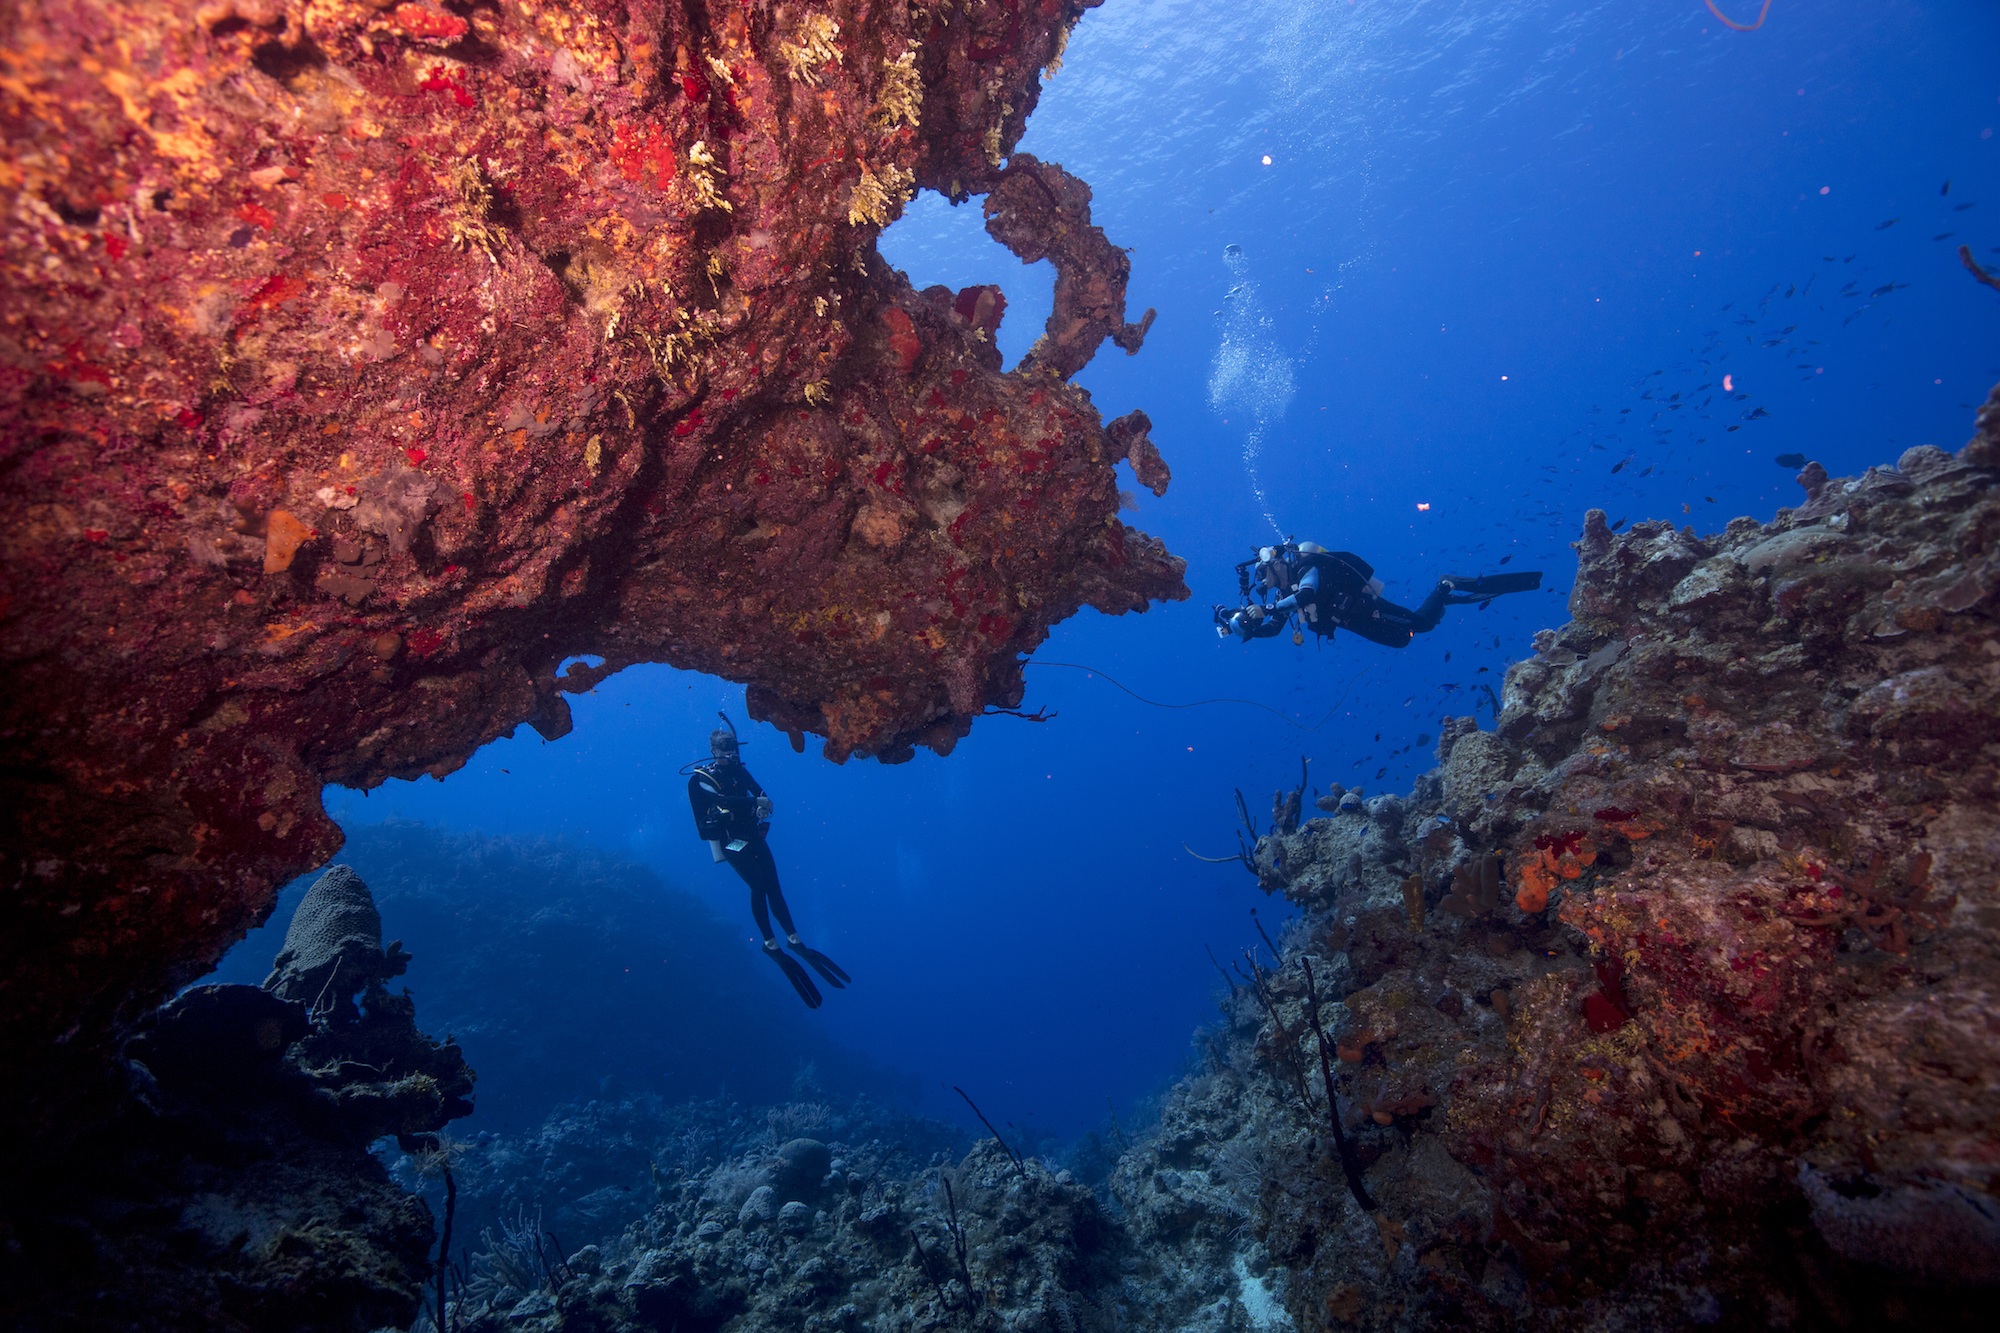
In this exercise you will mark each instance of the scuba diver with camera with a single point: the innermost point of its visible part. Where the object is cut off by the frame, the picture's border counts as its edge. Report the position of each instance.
(1329, 590)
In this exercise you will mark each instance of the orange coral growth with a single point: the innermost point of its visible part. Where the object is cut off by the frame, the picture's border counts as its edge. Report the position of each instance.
(1536, 882)
(418, 21)
(1557, 856)
(646, 157)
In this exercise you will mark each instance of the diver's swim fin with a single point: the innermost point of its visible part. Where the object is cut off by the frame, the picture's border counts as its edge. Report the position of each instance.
(823, 965)
(795, 974)
(1471, 588)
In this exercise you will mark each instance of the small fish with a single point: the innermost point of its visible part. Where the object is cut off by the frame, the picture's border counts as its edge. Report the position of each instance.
(1856, 315)
(1424, 739)
(1944, 235)
(1381, 771)
(1647, 473)
(1850, 259)
(1790, 460)
(1614, 527)
(1792, 329)
(1709, 498)
(1884, 226)
(1481, 671)
(1962, 207)
(1757, 414)
(1688, 508)
(1447, 655)
(1945, 188)
(1496, 641)
(1407, 702)
(1503, 560)
(1883, 290)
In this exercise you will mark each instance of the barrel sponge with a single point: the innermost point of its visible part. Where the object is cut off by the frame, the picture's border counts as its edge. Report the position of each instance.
(336, 933)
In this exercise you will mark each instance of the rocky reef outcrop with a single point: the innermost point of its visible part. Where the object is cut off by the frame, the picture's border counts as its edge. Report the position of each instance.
(1669, 1002)
(820, 1214)
(361, 362)
(230, 1185)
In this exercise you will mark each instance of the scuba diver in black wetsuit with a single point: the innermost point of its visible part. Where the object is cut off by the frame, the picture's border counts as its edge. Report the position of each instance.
(732, 813)
(1331, 590)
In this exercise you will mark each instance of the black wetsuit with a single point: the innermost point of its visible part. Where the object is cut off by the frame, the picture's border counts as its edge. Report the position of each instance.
(1343, 601)
(1330, 590)
(724, 797)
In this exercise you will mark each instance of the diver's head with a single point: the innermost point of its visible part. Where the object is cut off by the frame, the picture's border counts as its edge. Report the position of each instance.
(722, 744)
(1271, 572)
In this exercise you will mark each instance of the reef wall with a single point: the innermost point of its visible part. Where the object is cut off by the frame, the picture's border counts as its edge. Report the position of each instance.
(232, 1187)
(361, 362)
(1671, 1000)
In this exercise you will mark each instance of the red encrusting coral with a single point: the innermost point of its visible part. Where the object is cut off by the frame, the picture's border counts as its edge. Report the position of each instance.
(606, 275)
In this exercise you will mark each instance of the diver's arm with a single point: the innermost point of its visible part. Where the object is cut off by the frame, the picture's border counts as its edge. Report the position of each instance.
(1247, 627)
(1290, 602)
(760, 804)
(702, 796)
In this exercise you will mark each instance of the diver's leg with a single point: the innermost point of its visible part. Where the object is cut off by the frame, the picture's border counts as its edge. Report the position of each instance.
(761, 874)
(754, 863)
(826, 967)
(1426, 617)
(1388, 624)
(767, 873)
(758, 862)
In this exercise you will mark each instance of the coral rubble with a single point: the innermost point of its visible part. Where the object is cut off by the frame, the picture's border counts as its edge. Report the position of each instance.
(1703, 1032)
(363, 362)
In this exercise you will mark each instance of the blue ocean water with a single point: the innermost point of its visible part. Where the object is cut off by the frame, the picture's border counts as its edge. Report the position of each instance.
(1492, 263)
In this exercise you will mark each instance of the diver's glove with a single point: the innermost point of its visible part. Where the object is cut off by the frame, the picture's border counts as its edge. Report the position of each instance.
(763, 807)
(1223, 629)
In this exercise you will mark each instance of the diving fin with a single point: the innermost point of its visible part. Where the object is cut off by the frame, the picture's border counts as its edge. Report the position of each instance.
(823, 965)
(795, 974)
(1469, 588)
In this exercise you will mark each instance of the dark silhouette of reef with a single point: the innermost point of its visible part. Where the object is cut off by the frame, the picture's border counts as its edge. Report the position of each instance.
(231, 1186)
(582, 975)
(1671, 1001)
(365, 362)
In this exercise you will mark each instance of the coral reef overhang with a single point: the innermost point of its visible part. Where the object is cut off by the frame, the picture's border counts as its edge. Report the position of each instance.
(364, 362)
